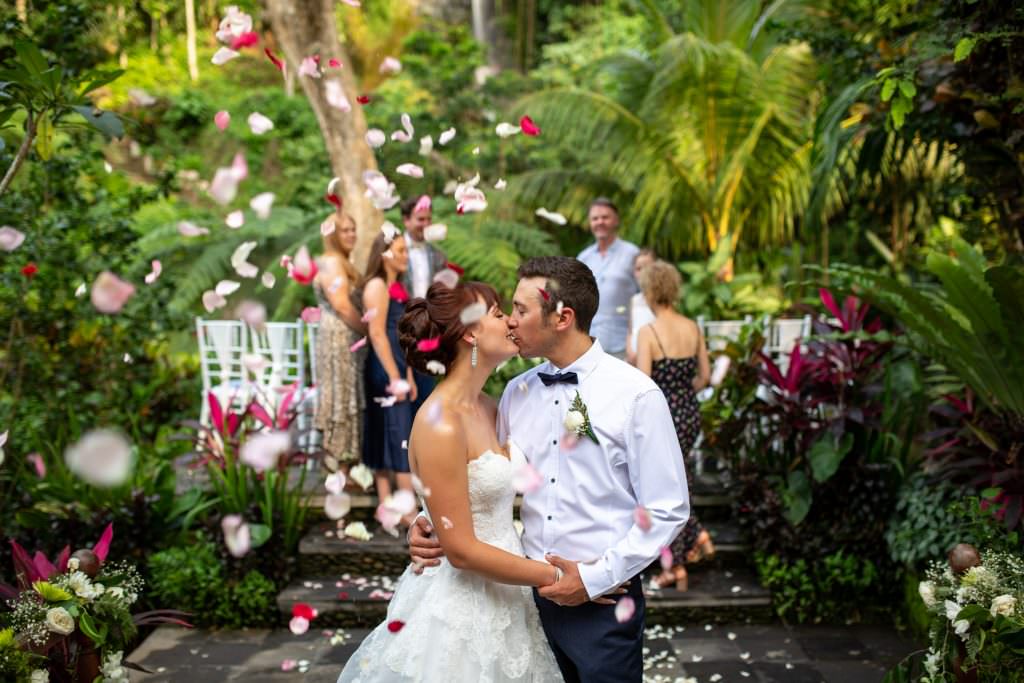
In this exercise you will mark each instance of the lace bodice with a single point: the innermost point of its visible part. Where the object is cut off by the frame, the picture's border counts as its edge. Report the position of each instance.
(491, 497)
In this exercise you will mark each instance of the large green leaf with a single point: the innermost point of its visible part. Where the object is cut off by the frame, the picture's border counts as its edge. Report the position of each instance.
(796, 497)
(106, 122)
(827, 454)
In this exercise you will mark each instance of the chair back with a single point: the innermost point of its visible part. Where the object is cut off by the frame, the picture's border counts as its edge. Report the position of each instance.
(221, 345)
(282, 345)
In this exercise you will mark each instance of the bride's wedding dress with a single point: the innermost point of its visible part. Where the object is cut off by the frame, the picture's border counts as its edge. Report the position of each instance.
(456, 625)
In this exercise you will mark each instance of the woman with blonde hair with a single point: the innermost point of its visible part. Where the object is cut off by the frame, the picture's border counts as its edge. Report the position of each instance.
(340, 400)
(671, 350)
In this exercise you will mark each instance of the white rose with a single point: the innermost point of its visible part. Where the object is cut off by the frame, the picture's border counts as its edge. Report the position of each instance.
(40, 676)
(1003, 604)
(574, 420)
(59, 621)
(927, 591)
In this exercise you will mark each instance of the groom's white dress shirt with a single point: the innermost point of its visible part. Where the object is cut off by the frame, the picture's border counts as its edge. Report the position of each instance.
(584, 509)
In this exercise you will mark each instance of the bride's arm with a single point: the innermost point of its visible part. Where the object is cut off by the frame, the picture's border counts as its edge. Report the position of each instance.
(439, 450)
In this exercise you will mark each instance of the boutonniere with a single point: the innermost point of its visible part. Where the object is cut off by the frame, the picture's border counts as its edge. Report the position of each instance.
(577, 420)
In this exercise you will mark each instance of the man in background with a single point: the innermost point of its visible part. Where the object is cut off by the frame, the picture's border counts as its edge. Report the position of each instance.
(610, 258)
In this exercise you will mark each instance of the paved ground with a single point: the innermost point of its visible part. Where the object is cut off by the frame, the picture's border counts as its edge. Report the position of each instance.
(690, 654)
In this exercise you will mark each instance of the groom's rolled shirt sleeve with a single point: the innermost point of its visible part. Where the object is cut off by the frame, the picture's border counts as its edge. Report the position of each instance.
(658, 478)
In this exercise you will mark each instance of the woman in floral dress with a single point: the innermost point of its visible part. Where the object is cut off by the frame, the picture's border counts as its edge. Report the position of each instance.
(672, 351)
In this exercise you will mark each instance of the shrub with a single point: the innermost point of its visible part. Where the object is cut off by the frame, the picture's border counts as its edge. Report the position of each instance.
(922, 526)
(195, 578)
(830, 589)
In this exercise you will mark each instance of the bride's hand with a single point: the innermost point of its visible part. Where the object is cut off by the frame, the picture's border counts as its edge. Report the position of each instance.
(569, 591)
(424, 548)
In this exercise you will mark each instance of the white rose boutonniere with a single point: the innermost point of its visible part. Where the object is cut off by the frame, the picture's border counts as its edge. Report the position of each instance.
(59, 620)
(577, 420)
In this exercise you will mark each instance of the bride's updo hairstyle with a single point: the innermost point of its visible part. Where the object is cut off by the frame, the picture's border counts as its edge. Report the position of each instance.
(436, 316)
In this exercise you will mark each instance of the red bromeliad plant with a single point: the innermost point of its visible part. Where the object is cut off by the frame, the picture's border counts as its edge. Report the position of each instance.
(823, 407)
(248, 455)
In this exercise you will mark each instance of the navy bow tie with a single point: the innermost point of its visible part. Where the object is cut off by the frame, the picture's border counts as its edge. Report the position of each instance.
(564, 377)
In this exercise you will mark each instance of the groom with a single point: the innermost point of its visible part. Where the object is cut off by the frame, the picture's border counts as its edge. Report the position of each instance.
(612, 505)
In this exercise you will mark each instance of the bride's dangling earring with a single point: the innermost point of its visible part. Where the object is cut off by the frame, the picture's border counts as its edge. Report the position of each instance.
(472, 355)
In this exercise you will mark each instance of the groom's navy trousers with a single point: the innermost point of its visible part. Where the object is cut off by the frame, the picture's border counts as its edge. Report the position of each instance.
(590, 645)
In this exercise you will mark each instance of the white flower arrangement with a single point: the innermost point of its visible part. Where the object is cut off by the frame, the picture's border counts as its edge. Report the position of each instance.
(974, 620)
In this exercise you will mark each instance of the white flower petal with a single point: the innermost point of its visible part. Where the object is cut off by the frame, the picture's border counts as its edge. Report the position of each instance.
(552, 216)
(224, 55)
(426, 146)
(262, 451)
(505, 129)
(472, 313)
(375, 138)
(10, 239)
(102, 457)
(212, 301)
(235, 219)
(190, 229)
(259, 124)
(337, 505)
(334, 93)
(261, 204)
(151, 277)
(390, 65)
(446, 137)
(411, 170)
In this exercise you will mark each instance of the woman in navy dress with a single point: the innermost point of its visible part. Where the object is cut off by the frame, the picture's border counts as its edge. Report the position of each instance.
(390, 388)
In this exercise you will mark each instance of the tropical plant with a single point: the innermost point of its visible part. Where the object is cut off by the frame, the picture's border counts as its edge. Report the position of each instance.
(48, 96)
(707, 292)
(706, 141)
(248, 457)
(972, 322)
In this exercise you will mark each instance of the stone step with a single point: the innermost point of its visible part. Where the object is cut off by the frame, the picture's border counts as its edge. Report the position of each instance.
(715, 596)
(322, 552)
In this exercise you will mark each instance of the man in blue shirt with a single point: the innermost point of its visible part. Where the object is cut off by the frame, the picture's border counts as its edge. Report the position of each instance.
(611, 260)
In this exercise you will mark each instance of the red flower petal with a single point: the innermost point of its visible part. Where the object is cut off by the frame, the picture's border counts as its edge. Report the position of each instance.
(363, 99)
(396, 625)
(334, 199)
(30, 269)
(397, 292)
(301, 609)
(428, 345)
(245, 40)
(277, 62)
(457, 268)
(544, 294)
(333, 63)
(343, 595)
(529, 127)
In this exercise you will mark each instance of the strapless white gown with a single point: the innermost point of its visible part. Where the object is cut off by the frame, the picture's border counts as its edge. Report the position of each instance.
(459, 626)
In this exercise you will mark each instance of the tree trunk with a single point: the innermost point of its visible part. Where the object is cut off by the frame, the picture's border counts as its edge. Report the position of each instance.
(190, 40)
(304, 28)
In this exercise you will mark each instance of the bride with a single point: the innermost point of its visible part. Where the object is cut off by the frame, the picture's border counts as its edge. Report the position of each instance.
(473, 617)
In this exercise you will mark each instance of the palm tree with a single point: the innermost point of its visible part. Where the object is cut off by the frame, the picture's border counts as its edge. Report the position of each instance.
(706, 140)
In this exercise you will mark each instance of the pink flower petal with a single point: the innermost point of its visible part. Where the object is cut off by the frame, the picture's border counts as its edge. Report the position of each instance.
(398, 386)
(357, 345)
(303, 268)
(259, 124)
(370, 314)
(625, 608)
(235, 219)
(37, 462)
(288, 664)
(298, 625)
(252, 313)
(525, 477)
(390, 65)
(262, 204)
(428, 345)
(337, 505)
(529, 127)
(247, 39)
(190, 229)
(110, 293)
(335, 483)
(224, 186)
(411, 170)
(388, 517)
(10, 239)
(334, 63)
(237, 537)
(222, 119)
(310, 315)
(642, 518)
(422, 204)
(375, 137)
(309, 67)
(212, 301)
(102, 457)
(448, 277)
(334, 93)
(223, 55)
(445, 137)
(155, 273)
(262, 451)
(666, 558)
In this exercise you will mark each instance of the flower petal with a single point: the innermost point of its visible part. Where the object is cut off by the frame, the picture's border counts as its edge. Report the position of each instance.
(426, 146)
(212, 301)
(435, 232)
(237, 535)
(505, 130)
(472, 313)
(235, 219)
(552, 216)
(309, 67)
(10, 239)
(445, 137)
(337, 505)
(110, 293)
(310, 315)
(262, 451)
(529, 127)
(375, 137)
(102, 457)
(259, 124)
(224, 55)
(334, 93)
(154, 273)
(390, 65)
(261, 204)
(357, 345)
(222, 119)
(642, 518)
(625, 608)
(411, 170)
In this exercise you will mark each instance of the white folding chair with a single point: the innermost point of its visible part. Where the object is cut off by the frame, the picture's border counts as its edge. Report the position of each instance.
(782, 335)
(311, 441)
(718, 333)
(283, 347)
(221, 345)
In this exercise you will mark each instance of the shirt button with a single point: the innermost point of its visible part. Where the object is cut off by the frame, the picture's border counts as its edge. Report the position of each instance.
(549, 518)
(555, 442)
(552, 480)
(556, 401)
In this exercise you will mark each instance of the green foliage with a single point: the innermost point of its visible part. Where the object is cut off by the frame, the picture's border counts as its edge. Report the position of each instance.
(923, 527)
(194, 579)
(705, 141)
(708, 293)
(829, 589)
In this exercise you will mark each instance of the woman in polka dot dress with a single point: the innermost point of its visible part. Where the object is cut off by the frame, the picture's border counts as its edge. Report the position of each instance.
(672, 351)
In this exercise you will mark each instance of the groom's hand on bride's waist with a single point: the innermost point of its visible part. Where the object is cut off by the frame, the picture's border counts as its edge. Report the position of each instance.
(569, 591)
(424, 548)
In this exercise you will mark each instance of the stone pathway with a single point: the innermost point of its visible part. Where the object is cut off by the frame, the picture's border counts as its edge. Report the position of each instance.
(673, 654)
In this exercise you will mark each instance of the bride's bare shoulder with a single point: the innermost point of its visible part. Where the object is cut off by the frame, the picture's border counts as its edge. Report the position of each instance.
(436, 431)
